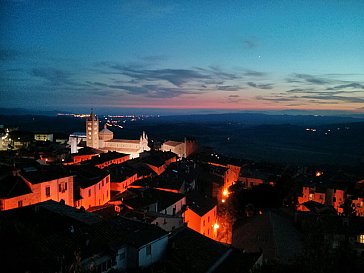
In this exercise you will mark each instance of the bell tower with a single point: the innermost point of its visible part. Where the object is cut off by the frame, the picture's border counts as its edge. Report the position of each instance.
(92, 131)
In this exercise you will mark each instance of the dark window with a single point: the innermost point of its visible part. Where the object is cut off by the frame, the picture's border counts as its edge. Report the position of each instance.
(65, 186)
(48, 191)
(20, 204)
(208, 219)
(89, 193)
(59, 187)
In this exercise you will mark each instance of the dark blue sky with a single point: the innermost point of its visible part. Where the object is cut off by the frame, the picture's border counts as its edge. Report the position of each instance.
(247, 55)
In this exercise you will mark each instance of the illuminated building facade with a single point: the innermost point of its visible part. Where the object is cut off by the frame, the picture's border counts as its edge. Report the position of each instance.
(92, 131)
(182, 149)
(201, 215)
(328, 196)
(104, 140)
(25, 188)
(92, 186)
(43, 137)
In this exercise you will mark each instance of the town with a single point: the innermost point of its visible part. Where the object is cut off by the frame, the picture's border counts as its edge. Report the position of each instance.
(89, 202)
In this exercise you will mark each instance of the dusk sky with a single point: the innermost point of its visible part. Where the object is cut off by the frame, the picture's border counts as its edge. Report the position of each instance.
(235, 55)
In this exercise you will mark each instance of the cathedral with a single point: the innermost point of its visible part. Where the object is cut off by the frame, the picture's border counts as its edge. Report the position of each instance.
(105, 141)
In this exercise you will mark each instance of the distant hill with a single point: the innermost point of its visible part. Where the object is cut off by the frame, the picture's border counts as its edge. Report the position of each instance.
(23, 111)
(250, 119)
(294, 139)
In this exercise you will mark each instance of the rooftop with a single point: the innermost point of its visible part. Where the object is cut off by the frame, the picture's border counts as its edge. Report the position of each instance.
(146, 197)
(199, 203)
(192, 252)
(44, 173)
(106, 131)
(135, 141)
(86, 175)
(120, 172)
(172, 143)
(12, 186)
(104, 157)
(78, 134)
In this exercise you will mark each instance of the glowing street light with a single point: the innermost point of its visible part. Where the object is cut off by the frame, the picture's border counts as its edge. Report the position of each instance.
(216, 226)
(225, 192)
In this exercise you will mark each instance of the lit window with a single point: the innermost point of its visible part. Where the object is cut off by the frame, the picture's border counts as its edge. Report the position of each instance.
(361, 238)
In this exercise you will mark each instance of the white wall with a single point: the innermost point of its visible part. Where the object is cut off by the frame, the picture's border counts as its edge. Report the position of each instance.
(121, 258)
(158, 249)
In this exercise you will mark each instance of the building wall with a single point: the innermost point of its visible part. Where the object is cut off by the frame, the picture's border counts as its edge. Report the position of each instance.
(339, 200)
(358, 205)
(13, 203)
(193, 220)
(121, 259)
(157, 251)
(191, 147)
(92, 131)
(59, 189)
(43, 137)
(202, 224)
(123, 185)
(95, 195)
(207, 223)
(80, 158)
(178, 149)
(332, 197)
(168, 223)
(249, 182)
(41, 192)
(74, 140)
(178, 207)
(113, 161)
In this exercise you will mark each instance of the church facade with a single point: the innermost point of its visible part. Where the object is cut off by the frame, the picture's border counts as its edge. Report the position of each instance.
(105, 141)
